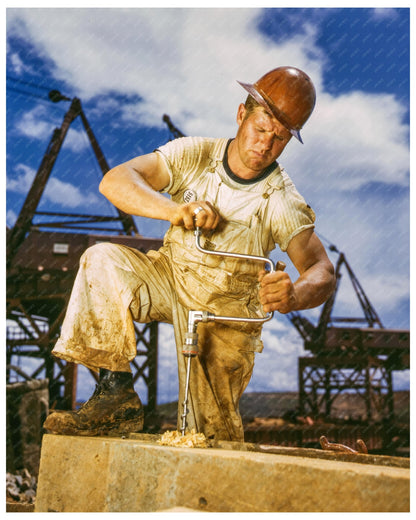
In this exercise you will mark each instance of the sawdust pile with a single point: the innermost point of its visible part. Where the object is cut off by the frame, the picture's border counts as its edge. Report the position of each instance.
(189, 440)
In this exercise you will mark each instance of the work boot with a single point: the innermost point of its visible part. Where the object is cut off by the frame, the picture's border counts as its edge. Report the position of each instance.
(113, 409)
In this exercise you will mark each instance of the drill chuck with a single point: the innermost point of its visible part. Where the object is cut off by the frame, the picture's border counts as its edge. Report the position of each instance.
(190, 346)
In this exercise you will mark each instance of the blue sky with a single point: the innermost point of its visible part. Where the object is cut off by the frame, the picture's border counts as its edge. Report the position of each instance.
(131, 66)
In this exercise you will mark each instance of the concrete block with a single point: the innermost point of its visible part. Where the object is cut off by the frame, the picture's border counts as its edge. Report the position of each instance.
(104, 474)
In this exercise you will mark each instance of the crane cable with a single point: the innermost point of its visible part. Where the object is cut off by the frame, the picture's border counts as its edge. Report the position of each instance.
(15, 89)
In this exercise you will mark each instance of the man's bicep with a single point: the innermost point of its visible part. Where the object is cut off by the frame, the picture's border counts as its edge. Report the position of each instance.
(305, 249)
(152, 168)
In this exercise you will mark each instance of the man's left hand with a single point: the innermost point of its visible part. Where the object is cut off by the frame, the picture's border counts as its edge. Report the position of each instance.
(277, 292)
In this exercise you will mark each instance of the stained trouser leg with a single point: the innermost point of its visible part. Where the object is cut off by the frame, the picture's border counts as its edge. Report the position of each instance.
(219, 376)
(114, 286)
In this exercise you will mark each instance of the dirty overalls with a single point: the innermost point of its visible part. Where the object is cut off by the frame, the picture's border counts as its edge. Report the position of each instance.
(116, 284)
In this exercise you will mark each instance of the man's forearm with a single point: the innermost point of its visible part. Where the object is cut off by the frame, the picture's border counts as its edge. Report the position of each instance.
(314, 286)
(131, 193)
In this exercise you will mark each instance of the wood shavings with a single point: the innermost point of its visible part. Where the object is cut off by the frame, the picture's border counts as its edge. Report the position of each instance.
(189, 440)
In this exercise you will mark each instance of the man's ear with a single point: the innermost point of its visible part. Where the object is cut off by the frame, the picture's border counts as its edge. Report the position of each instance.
(241, 112)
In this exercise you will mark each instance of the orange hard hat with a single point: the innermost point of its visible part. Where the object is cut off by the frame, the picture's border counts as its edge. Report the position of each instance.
(287, 94)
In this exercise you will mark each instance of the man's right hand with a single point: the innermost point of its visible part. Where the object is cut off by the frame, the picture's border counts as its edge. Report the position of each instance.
(195, 214)
(134, 187)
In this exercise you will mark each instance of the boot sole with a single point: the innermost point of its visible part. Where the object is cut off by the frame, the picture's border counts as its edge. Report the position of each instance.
(133, 425)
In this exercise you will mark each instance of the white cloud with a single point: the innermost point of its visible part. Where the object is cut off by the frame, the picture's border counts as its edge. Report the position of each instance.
(37, 124)
(354, 139)
(181, 61)
(167, 365)
(276, 366)
(68, 195)
(56, 191)
(376, 288)
(381, 13)
(23, 181)
(10, 218)
(34, 124)
(17, 64)
(75, 141)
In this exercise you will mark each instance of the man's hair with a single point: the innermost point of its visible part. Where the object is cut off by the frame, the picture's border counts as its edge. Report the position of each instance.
(250, 105)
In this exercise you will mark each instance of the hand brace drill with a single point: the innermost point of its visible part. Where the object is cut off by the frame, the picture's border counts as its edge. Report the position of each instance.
(190, 346)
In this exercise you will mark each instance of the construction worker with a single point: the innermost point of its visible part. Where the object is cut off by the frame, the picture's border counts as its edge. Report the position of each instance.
(243, 201)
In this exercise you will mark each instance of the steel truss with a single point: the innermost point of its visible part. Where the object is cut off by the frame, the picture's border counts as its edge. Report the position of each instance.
(33, 326)
(357, 359)
(41, 269)
(322, 380)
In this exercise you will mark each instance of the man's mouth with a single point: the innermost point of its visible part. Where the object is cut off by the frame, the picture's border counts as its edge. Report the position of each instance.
(259, 155)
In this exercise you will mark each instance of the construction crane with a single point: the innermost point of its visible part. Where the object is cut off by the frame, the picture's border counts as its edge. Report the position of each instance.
(174, 130)
(41, 268)
(25, 219)
(359, 355)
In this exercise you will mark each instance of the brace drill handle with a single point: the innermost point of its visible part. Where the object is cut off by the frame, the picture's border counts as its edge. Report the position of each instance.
(280, 266)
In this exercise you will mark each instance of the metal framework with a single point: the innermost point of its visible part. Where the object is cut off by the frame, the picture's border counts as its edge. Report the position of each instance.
(323, 380)
(358, 359)
(41, 268)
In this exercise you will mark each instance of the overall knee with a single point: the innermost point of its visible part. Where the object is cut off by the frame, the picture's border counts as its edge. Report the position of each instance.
(98, 255)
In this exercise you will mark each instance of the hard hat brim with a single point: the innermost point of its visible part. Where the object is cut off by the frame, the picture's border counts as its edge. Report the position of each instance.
(251, 89)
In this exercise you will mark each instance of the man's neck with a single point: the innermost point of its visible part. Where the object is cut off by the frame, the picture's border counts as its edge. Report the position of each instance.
(237, 166)
(238, 171)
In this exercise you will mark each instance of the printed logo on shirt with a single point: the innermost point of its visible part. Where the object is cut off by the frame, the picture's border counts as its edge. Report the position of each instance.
(190, 196)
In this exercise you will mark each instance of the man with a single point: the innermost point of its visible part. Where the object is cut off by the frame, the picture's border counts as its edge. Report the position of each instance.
(243, 201)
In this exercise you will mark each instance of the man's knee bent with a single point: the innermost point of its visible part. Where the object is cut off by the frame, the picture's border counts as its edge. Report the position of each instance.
(100, 253)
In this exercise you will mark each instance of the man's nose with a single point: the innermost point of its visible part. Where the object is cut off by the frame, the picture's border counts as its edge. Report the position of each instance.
(266, 141)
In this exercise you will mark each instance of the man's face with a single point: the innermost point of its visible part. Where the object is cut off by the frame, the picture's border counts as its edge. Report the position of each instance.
(260, 140)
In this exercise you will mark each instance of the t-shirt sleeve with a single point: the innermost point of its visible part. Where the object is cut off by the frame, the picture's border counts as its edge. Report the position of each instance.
(290, 215)
(182, 157)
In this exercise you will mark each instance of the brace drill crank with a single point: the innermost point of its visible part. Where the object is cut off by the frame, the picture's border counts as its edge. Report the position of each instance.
(190, 346)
